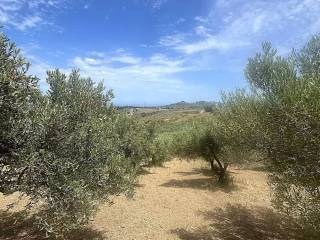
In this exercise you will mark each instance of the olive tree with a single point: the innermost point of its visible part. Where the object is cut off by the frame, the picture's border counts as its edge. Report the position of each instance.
(17, 92)
(289, 88)
(68, 150)
(84, 152)
(202, 140)
(237, 121)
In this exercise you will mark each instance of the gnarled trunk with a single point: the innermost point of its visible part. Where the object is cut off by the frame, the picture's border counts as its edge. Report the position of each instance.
(222, 168)
(211, 160)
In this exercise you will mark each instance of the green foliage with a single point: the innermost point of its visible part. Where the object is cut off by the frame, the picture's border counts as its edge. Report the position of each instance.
(79, 154)
(237, 121)
(136, 139)
(17, 92)
(280, 120)
(160, 152)
(277, 122)
(204, 140)
(68, 150)
(208, 109)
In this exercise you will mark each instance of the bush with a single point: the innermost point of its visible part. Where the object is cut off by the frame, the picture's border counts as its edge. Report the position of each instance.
(238, 123)
(17, 93)
(68, 150)
(203, 140)
(160, 152)
(79, 154)
(208, 109)
(289, 91)
(278, 122)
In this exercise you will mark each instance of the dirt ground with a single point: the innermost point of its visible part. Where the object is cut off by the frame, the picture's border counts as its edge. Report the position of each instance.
(174, 200)
(182, 201)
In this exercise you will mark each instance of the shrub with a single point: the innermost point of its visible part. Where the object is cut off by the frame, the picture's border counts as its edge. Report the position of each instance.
(237, 120)
(79, 154)
(208, 109)
(68, 150)
(289, 89)
(204, 141)
(278, 121)
(17, 92)
(160, 152)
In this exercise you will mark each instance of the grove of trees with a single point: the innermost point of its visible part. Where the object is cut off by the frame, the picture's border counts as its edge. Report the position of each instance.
(276, 121)
(69, 149)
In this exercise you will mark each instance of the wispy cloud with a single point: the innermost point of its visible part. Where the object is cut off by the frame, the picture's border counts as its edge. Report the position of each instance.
(157, 3)
(172, 40)
(233, 24)
(123, 66)
(180, 20)
(201, 19)
(191, 47)
(25, 14)
(153, 78)
(127, 74)
(211, 42)
(28, 22)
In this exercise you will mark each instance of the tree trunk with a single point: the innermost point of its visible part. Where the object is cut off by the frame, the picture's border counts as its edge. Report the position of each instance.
(222, 168)
(212, 164)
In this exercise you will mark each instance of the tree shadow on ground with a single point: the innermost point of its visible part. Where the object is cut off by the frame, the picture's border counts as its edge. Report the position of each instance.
(144, 171)
(139, 185)
(19, 226)
(152, 165)
(237, 222)
(210, 184)
(203, 171)
(258, 168)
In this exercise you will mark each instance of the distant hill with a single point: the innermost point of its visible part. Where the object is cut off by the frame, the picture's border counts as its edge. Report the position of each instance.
(178, 105)
(192, 105)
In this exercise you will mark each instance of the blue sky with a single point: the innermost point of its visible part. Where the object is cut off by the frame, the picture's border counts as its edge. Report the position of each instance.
(153, 52)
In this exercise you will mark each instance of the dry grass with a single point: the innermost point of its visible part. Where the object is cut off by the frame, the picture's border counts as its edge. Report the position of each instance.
(182, 201)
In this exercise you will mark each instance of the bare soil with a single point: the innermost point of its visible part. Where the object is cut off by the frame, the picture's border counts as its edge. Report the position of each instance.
(174, 199)
(182, 200)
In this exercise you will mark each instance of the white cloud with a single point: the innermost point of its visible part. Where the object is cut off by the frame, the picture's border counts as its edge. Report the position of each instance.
(28, 22)
(171, 40)
(257, 23)
(180, 20)
(157, 3)
(126, 59)
(202, 31)
(206, 44)
(125, 73)
(148, 77)
(26, 14)
(233, 24)
(201, 19)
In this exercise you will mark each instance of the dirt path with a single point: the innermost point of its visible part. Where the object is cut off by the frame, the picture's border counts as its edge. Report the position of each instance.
(179, 201)
(172, 203)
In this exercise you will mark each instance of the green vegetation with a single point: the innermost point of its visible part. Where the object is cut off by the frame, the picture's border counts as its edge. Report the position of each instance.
(288, 117)
(187, 105)
(70, 149)
(278, 122)
(275, 123)
(67, 150)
